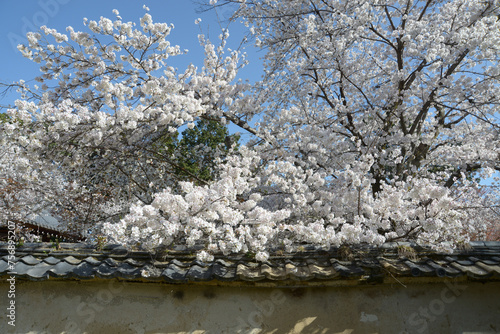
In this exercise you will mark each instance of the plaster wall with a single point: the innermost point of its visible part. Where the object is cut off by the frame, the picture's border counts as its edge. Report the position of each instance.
(117, 307)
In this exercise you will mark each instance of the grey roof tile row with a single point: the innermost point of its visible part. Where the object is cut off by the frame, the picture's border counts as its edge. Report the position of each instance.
(480, 261)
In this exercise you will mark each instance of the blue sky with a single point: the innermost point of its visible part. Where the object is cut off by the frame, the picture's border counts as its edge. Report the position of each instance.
(19, 17)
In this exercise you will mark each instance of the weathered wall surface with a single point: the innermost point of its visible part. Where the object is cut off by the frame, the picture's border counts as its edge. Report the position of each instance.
(116, 307)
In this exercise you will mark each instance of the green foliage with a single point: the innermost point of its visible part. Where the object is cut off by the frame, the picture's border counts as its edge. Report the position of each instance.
(195, 153)
(4, 118)
(201, 145)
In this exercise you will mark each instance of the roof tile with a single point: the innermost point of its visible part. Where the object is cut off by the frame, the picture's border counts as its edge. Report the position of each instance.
(446, 266)
(323, 272)
(470, 270)
(199, 273)
(175, 273)
(490, 269)
(62, 269)
(299, 273)
(105, 271)
(84, 270)
(273, 272)
(418, 269)
(7, 258)
(4, 266)
(51, 260)
(39, 271)
(128, 271)
(40, 262)
(29, 259)
(224, 272)
(394, 267)
(134, 262)
(249, 273)
(72, 260)
(111, 262)
(92, 261)
(439, 270)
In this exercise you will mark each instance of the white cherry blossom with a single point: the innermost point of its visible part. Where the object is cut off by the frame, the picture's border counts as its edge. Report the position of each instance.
(374, 122)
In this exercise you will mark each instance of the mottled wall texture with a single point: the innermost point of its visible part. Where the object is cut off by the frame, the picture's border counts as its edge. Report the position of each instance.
(111, 306)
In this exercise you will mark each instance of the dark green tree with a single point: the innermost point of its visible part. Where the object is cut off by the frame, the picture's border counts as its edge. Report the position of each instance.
(195, 151)
(200, 146)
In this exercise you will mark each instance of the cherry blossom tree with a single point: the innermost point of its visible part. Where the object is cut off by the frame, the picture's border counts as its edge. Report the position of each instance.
(375, 121)
(105, 113)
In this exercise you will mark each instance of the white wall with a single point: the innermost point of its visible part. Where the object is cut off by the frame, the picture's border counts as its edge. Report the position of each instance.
(115, 307)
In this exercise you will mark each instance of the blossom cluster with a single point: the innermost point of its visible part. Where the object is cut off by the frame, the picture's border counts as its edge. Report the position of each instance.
(374, 122)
